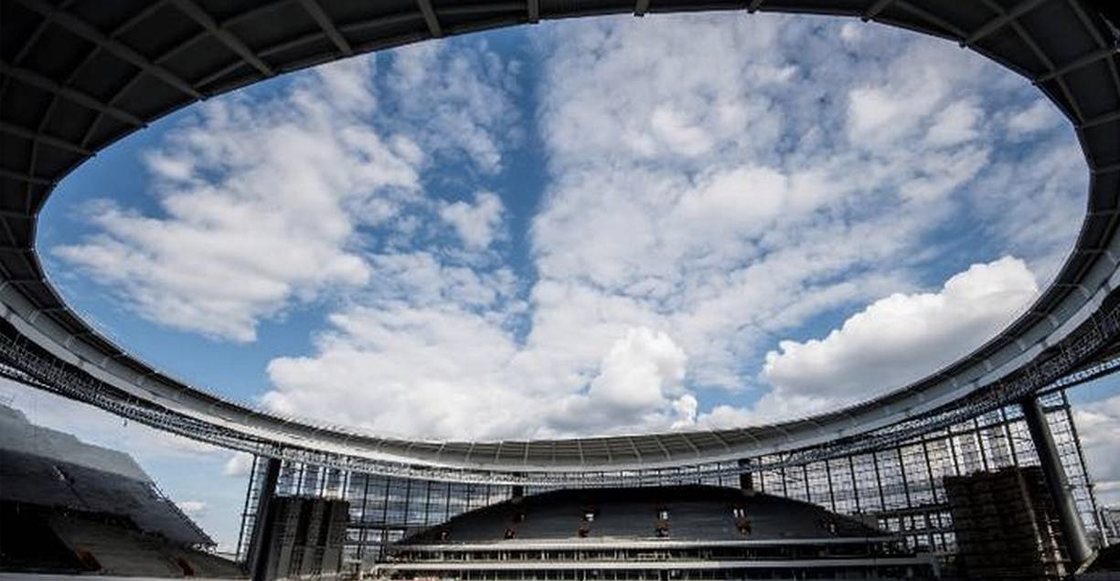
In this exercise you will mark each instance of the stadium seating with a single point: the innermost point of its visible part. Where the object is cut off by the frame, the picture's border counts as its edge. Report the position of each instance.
(695, 512)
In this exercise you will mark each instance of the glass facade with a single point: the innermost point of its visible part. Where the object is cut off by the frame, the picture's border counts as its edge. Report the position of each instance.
(901, 487)
(383, 509)
(898, 488)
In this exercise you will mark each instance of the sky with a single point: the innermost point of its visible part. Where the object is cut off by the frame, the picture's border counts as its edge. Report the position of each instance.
(608, 225)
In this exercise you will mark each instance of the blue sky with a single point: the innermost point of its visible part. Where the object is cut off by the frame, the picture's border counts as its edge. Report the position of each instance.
(611, 225)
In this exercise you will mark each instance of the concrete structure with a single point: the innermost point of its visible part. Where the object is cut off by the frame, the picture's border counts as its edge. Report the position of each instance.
(303, 539)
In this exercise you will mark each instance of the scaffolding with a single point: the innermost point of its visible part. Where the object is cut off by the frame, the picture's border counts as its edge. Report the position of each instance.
(1007, 526)
(899, 489)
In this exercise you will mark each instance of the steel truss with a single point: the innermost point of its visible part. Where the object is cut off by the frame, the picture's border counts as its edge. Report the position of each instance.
(1067, 363)
(900, 487)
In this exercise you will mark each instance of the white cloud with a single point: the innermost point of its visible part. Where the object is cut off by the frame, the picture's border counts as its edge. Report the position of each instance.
(192, 508)
(850, 32)
(741, 199)
(264, 215)
(674, 130)
(751, 182)
(703, 208)
(459, 99)
(638, 383)
(1035, 203)
(238, 465)
(955, 124)
(900, 338)
(438, 371)
(262, 199)
(1040, 115)
(475, 223)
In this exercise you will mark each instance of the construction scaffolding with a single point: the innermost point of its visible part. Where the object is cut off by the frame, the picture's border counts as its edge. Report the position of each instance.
(900, 489)
(1007, 526)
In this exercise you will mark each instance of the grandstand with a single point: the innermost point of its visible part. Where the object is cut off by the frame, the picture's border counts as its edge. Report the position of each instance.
(682, 532)
(71, 507)
(76, 77)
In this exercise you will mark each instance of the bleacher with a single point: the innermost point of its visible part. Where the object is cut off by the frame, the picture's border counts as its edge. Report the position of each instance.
(46, 467)
(69, 507)
(697, 512)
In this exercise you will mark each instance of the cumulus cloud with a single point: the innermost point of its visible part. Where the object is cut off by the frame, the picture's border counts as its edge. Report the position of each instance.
(1039, 116)
(260, 203)
(751, 185)
(406, 370)
(262, 199)
(474, 223)
(693, 215)
(900, 338)
(639, 383)
(458, 99)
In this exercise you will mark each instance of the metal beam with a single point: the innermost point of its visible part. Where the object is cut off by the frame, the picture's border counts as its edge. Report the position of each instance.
(40, 137)
(259, 543)
(1078, 63)
(226, 37)
(1101, 119)
(25, 177)
(754, 6)
(931, 18)
(6, 213)
(316, 11)
(534, 9)
(874, 10)
(1104, 169)
(35, 79)
(136, 18)
(1073, 530)
(1001, 21)
(87, 31)
(430, 17)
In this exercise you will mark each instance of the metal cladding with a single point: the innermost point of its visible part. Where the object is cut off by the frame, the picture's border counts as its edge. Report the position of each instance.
(76, 77)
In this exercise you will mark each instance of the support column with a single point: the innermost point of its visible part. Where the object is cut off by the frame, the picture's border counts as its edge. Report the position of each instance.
(746, 479)
(1073, 530)
(259, 546)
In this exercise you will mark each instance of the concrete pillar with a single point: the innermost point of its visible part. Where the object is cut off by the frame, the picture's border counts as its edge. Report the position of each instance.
(1073, 530)
(746, 479)
(259, 546)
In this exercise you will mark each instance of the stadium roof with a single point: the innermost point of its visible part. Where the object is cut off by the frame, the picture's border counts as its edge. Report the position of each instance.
(77, 76)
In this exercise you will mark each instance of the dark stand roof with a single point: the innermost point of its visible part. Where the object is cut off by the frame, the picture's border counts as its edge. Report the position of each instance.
(696, 513)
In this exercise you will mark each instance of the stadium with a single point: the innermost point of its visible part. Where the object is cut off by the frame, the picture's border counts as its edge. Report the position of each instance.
(867, 483)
